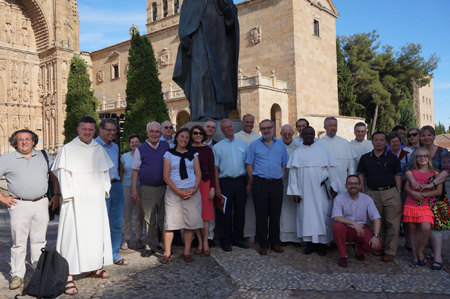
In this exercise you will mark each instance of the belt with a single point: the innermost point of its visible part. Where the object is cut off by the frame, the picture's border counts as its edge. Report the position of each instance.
(32, 200)
(382, 188)
(114, 181)
(233, 179)
(268, 180)
(157, 185)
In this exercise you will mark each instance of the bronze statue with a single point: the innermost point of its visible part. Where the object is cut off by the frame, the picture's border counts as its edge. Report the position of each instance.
(207, 61)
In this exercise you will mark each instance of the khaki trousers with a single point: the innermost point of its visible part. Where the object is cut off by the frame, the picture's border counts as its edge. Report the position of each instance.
(152, 203)
(389, 205)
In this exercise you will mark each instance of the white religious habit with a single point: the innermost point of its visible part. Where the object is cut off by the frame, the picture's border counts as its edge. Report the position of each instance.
(361, 148)
(84, 238)
(250, 219)
(288, 225)
(311, 169)
(344, 155)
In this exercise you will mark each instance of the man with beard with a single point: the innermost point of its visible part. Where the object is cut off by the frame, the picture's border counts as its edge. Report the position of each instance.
(311, 167)
(350, 213)
(266, 166)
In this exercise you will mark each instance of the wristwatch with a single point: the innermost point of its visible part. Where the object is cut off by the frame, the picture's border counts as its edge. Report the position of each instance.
(376, 235)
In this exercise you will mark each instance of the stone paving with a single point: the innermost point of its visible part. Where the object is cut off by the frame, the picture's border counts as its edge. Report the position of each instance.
(243, 273)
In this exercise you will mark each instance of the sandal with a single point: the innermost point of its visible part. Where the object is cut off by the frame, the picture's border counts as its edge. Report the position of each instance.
(414, 264)
(72, 287)
(438, 267)
(98, 274)
(423, 262)
(124, 246)
(121, 262)
(165, 259)
(140, 245)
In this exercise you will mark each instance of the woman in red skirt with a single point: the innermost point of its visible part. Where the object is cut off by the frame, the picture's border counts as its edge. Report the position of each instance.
(417, 213)
(207, 185)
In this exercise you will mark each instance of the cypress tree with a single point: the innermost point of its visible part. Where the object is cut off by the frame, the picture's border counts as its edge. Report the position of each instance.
(145, 101)
(80, 99)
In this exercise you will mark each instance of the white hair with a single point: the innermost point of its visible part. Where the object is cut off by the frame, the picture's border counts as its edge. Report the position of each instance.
(154, 123)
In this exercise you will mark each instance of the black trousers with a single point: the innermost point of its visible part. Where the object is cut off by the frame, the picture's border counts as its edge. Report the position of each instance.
(268, 199)
(231, 224)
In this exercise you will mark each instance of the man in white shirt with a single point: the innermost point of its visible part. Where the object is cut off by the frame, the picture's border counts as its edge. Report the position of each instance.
(300, 125)
(339, 148)
(360, 144)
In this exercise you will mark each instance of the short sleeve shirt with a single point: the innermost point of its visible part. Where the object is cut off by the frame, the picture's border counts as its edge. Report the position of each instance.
(127, 161)
(355, 209)
(379, 171)
(267, 161)
(175, 171)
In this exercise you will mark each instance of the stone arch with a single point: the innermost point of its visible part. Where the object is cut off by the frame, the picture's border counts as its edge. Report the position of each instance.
(38, 22)
(183, 118)
(275, 116)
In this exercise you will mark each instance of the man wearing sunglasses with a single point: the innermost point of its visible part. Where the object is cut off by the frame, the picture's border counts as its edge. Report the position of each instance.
(167, 132)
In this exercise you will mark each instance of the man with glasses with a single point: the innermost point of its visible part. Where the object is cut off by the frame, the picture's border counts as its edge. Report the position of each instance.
(167, 132)
(381, 169)
(350, 212)
(266, 167)
(116, 202)
(25, 170)
(148, 164)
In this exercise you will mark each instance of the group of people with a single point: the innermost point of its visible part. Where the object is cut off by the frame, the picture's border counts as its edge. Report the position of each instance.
(249, 185)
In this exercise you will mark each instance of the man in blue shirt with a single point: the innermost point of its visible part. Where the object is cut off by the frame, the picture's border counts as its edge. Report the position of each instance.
(266, 166)
(167, 132)
(229, 159)
(116, 202)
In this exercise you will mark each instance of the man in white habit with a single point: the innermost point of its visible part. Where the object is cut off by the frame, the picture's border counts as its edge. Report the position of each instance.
(360, 144)
(288, 226)
(339, 149)
(248, 136)
(311, 170)
(84, 239)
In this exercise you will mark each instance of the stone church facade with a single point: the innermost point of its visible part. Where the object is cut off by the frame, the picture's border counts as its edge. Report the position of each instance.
(37, 41)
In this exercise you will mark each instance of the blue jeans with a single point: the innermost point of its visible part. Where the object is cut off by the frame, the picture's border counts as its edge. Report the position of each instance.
(115, 205)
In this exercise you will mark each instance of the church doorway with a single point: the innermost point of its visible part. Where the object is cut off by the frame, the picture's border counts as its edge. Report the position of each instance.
(275, 116)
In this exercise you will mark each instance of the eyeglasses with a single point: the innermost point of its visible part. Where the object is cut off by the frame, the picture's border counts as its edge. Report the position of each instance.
(24, 139)
(167, 127)
(353, 184)
(422, 157)
(412, 135)
(266, 128)
(196, 133)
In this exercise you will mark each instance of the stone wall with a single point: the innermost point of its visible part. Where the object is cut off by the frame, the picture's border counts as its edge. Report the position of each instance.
(424, 105)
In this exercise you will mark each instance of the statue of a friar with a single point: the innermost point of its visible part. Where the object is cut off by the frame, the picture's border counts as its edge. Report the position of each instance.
(207, 60)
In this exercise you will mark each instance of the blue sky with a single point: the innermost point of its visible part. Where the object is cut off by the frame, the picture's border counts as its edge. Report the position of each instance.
(106, 22)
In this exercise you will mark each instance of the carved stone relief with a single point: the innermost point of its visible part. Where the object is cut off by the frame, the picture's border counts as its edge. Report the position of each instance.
(100, 76)
(164, 57)
(255, 34)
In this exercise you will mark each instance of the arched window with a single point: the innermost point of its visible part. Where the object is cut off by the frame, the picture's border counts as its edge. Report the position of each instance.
(165, 9)
(155, 11)
(275, 116)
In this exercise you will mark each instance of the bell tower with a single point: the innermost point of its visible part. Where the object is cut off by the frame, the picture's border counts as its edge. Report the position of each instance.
(160, 9)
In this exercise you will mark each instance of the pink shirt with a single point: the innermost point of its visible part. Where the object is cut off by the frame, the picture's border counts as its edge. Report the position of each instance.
(355, 209)
(421, 178)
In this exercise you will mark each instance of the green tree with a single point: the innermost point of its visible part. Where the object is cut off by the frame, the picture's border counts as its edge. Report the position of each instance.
(145, 102)
(440, 129)
(385, 80)
(80, 99)
(347, 99)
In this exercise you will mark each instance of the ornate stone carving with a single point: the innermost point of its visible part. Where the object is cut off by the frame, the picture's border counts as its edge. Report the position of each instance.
(100, 76)
(255, 34)
(133, 30)
(2, 64)
(164, 57)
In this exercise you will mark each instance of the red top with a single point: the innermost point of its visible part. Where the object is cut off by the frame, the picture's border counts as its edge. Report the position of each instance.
(421, 178)
(206, 159)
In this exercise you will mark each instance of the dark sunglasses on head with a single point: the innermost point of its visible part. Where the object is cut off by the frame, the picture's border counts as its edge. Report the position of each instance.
(197, 133)
(167, 127)
(412, 135)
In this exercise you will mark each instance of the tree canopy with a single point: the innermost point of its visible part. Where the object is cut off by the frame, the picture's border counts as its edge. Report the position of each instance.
(384, 79)
(145, 102)
(80, 99)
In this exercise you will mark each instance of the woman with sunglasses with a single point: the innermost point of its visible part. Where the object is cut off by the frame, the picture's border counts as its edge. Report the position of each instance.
(440, 159)
(207, 185)
(412, 140)
(416, 213)
(183, 203)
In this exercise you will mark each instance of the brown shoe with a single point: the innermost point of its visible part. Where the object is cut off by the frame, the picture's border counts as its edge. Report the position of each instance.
(188, 258)
(263, 251)
(388, 258)
(198, 251)
(207, 252)
(165, 259)
(378, 252)
(342, 262)
(277, 249)
(360, 257)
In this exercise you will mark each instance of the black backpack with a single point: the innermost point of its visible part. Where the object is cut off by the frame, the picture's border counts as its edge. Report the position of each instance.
(50, 276)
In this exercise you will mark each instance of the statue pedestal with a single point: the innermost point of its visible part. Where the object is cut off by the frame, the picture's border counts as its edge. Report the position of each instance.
(219, 135)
